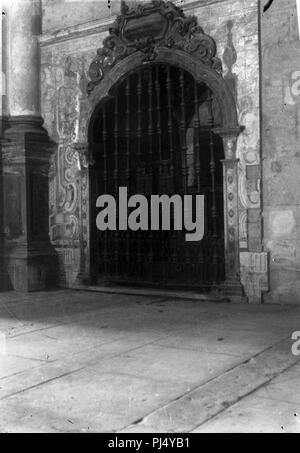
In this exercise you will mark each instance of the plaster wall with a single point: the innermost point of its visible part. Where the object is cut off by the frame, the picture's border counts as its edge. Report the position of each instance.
(281, 151)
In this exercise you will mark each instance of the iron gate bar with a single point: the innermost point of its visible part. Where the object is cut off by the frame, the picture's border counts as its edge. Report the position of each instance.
(170, 122)
(105, 177)
(158, 110)
(199, 256)
(116, 142)
(150, 118)
(183, 134)
(127, 171)
(127, 133)
(104, 136)
(214, 212)
(139, 124)
(150, 159)
(116, 178)
(139, 164)
(197, 139)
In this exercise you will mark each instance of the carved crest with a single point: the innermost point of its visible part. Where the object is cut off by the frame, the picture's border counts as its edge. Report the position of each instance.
(146, 27)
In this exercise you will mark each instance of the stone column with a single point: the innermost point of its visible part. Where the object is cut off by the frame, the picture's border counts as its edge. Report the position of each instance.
(24, 25)
(231, 213)
(29, 257)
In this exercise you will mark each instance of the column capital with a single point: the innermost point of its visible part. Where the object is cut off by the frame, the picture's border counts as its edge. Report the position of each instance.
(229, 137)
(84, 154)
(233, 131)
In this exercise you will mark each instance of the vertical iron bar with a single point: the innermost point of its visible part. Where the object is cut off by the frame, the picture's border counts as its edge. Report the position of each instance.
(200, 253)
(116, 142)
(150, 117)
(127, 172)
(104, 135)
(150, 137)
(105, 174)
(183, 136)
(197, 138)
(116, 171)
(139, 114)
(139, 160)
(170, 120)
(127, 131)
(158, 110)
(214, 213)
(173, 235)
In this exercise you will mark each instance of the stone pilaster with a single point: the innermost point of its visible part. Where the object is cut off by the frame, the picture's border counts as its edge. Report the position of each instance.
(29, 258)
(87, 221)
(231, 213)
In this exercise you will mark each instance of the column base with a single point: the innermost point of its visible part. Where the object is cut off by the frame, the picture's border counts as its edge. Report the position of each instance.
(29, 258)
(234, 291)
(84, 279)
(31, 270)
(25, 125)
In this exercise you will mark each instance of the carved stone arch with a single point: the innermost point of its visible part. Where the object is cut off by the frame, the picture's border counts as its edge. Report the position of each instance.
(160, 33)
(181, 59)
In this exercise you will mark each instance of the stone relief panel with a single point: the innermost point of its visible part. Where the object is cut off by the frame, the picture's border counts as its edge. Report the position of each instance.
(63, 86)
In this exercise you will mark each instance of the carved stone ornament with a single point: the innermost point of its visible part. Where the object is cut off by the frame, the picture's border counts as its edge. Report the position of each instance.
(145, 27)
(84, 155)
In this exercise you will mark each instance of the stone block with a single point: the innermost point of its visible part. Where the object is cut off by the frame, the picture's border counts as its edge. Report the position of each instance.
(254, 275)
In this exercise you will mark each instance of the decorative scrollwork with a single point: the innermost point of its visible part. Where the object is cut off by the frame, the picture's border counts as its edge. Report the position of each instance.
(159, 24)
(83, 154)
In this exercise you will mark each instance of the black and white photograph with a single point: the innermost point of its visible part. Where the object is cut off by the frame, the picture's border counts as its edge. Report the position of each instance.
(149, 219)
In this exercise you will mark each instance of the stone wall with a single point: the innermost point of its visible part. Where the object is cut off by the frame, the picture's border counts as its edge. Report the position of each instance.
(66, 55)
(58, 14)
(281, 149)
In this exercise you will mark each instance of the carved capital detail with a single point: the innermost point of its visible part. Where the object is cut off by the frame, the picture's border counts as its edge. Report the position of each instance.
(144, 28)
(230, 138)
(85, 158)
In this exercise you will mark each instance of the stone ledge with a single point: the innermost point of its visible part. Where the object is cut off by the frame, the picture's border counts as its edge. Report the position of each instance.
(126, 290)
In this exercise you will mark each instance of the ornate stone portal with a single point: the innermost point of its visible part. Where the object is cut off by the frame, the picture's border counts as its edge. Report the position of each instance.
(70, 62)
(159, 32)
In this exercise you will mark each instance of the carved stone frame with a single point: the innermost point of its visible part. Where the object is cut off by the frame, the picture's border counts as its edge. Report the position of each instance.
(203, 70)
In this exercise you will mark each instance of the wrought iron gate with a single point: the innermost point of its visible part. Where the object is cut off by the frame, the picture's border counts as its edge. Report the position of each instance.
(154, 135)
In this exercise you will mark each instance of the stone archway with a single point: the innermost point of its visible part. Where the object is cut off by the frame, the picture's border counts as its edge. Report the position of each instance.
(159, 32)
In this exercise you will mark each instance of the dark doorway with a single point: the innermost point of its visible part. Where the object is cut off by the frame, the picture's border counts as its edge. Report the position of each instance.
(154, 135)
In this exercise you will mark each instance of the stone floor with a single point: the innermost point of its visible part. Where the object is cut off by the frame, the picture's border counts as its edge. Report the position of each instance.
(75, 361)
